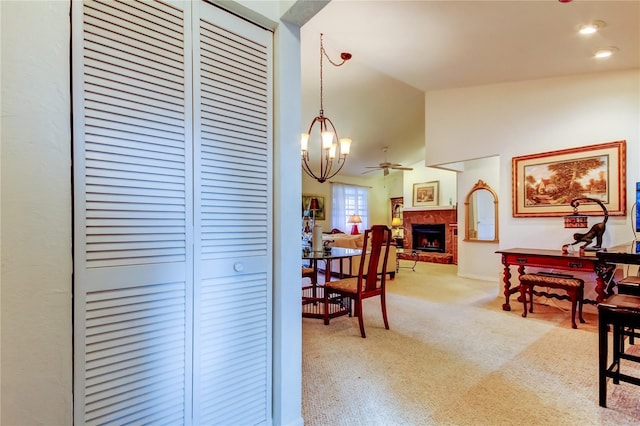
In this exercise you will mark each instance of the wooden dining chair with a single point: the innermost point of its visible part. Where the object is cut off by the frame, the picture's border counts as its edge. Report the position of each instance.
(309, 273)
(369, 282)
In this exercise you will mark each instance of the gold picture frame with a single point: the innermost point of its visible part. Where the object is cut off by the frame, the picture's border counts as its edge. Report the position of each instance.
(426, 194)
(544, 184)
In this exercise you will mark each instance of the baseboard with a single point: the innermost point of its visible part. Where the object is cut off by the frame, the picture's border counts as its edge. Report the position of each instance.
(296, 422)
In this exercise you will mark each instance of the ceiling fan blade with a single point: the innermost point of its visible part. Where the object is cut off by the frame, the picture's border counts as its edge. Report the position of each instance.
(368, 171)
(386, 166)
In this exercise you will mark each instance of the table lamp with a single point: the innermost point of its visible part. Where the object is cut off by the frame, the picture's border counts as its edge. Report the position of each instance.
(396, 223)
(355, 219)
(576, 220)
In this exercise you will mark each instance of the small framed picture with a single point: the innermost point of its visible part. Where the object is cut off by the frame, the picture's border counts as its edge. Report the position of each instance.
(425, 194)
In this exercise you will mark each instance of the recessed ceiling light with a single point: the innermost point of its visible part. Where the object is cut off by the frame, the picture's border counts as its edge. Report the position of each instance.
(605, 52)
(591, 27)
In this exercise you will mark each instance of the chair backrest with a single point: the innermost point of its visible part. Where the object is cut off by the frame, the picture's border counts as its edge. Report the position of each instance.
(375, 250)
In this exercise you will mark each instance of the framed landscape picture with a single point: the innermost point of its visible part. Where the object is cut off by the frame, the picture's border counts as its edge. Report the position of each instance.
(306, 198)
(545, 184)
(425, 194)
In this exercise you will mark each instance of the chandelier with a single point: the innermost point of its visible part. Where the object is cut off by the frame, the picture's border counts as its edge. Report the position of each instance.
(332, 153)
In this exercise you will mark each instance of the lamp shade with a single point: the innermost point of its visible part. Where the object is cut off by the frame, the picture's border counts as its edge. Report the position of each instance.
(314, 204)
(355, 219)
(396, 221)
(575, 221)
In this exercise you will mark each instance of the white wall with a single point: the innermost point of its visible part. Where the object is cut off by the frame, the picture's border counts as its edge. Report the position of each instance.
(447, 181)
(386, 187)
(36, 214)
(287, 310)
(533, 117)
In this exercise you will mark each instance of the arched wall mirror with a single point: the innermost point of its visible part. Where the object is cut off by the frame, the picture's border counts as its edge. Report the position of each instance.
(481, 214)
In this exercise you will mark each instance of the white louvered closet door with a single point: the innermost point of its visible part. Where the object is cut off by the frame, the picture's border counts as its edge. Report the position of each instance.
(233, 222)
(232, 334)
(137, 278)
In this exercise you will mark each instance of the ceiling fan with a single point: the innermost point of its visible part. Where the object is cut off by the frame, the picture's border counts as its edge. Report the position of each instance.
(386, 165)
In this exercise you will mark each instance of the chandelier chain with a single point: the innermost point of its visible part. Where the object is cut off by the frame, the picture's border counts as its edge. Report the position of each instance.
(323, 53)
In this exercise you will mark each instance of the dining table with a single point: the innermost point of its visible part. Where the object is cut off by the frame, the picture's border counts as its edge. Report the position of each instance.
(313, 294)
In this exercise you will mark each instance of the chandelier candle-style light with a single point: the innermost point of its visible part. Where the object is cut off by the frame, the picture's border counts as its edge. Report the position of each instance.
(331, 153)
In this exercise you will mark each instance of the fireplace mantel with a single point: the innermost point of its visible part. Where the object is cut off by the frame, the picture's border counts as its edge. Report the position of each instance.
(428, 209)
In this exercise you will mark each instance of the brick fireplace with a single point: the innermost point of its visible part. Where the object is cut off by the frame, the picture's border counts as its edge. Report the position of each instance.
(421, 223)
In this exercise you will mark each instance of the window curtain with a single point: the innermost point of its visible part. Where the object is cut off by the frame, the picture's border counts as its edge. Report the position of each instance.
(348, 200)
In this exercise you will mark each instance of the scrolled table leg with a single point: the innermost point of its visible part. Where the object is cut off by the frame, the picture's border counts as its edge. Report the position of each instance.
(507, 285)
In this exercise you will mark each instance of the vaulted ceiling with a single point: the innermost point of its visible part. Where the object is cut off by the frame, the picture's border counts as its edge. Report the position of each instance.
(402, 49)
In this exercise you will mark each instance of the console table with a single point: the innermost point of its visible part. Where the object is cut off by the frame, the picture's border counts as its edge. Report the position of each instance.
(555, 259)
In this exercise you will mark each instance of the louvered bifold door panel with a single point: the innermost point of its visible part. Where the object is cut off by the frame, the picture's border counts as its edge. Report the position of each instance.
(132, 213)
(232, 345)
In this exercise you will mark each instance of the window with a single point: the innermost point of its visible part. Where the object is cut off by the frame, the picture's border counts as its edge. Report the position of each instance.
(348, 200)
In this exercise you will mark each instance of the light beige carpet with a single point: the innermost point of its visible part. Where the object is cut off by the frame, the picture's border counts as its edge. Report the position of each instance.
(454, 357)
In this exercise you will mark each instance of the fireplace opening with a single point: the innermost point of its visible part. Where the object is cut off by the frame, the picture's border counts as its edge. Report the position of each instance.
(429, 237)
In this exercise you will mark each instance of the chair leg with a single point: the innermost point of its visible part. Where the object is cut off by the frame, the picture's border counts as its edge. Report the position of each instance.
(383, 304)
(360, 320)
(523, 296)
(530, 297)
(618, 348)
(326, 306)
(603, 348)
